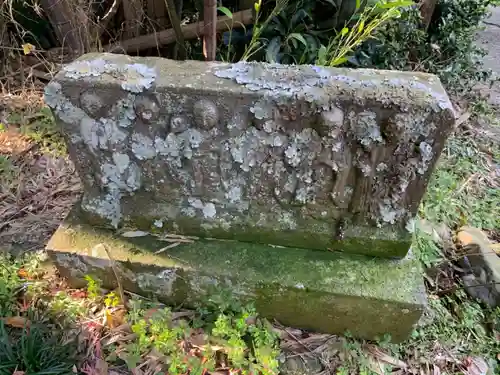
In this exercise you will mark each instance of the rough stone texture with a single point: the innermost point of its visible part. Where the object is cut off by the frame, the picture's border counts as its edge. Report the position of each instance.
(317, 290)
(297, 156)
(481, 264)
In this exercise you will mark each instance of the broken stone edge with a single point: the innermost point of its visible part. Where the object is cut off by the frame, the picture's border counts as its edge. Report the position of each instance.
(484, 264)
(314, 290)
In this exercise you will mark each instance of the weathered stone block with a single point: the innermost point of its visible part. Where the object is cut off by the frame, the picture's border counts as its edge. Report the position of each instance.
(298, 156)
(317, 290)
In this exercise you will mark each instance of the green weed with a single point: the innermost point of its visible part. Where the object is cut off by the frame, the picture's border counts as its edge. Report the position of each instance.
(247, 342)
(292, 37)
(10, 285)
(358, 30)
(461, 190)
(459, 325)
(35, 351)
(447, 47)
(42, 129)
(65, 308)
(260, 25)
(111, 300)
(7, 170)
(426, 249)
(93, 287)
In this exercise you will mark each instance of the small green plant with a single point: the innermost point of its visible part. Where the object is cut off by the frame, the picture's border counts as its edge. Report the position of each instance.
(248, 344)
(111, 300)
(292, 37)
(426, 249)
(35, 351)
(7, 170)
(353, 34)
(10, 285)
(42, 129)
(93, 287)
(65, 308)
(255, 44)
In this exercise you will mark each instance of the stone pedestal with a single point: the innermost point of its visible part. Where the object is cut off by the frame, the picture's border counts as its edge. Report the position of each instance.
(281, 164)
(317, 290)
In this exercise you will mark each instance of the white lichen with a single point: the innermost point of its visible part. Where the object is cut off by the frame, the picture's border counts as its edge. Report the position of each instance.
(208, 209)
(426, 157)
(132, 77)
(287, 220)
(333, 118)
(106, 206)
(233, 195)
(142, 146)
(365, 128)
(121, 161)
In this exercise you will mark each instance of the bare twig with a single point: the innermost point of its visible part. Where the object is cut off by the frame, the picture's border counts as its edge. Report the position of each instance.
(176, 25)
(103, 22)
(175, 244)
(115, 272)
(190, 31)
(209, 29)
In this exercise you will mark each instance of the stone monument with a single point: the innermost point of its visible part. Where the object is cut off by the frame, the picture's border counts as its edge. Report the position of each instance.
(288, 186)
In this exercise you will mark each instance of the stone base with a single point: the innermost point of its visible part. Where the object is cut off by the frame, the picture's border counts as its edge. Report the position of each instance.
(315, 290)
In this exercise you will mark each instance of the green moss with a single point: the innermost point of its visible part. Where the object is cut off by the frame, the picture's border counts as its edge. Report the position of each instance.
(389, 242)
(318, 290)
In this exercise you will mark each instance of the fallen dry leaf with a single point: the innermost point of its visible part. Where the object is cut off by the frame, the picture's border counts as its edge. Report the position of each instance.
(22, 273)
(496, 247)
(376, 365)
(28, 48)
(475, 366)
(17, 321)
(379, 354)
(135, 233)
(198, 338)
(79, 294)
(115, 318)
(149, 313)
(464, 238)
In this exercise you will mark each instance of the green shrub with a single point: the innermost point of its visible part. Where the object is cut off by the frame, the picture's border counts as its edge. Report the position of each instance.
(448, 48)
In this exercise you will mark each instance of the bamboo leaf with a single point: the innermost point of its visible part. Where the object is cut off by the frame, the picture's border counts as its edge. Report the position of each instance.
(394, 4)
(257, 5)
(299, 37)
(322, 52)
(226, 11)
(273, 49)
(28, 48)
(361, 26)
(339, 61)
(135, 233)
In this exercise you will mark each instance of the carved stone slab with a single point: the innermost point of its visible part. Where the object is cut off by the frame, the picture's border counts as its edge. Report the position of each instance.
(299, 156)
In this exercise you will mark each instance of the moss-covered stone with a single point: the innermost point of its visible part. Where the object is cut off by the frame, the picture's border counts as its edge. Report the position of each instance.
(265, 153)
(316, 290)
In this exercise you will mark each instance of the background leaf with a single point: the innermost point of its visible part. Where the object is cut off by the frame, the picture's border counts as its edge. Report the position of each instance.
(226, 11)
